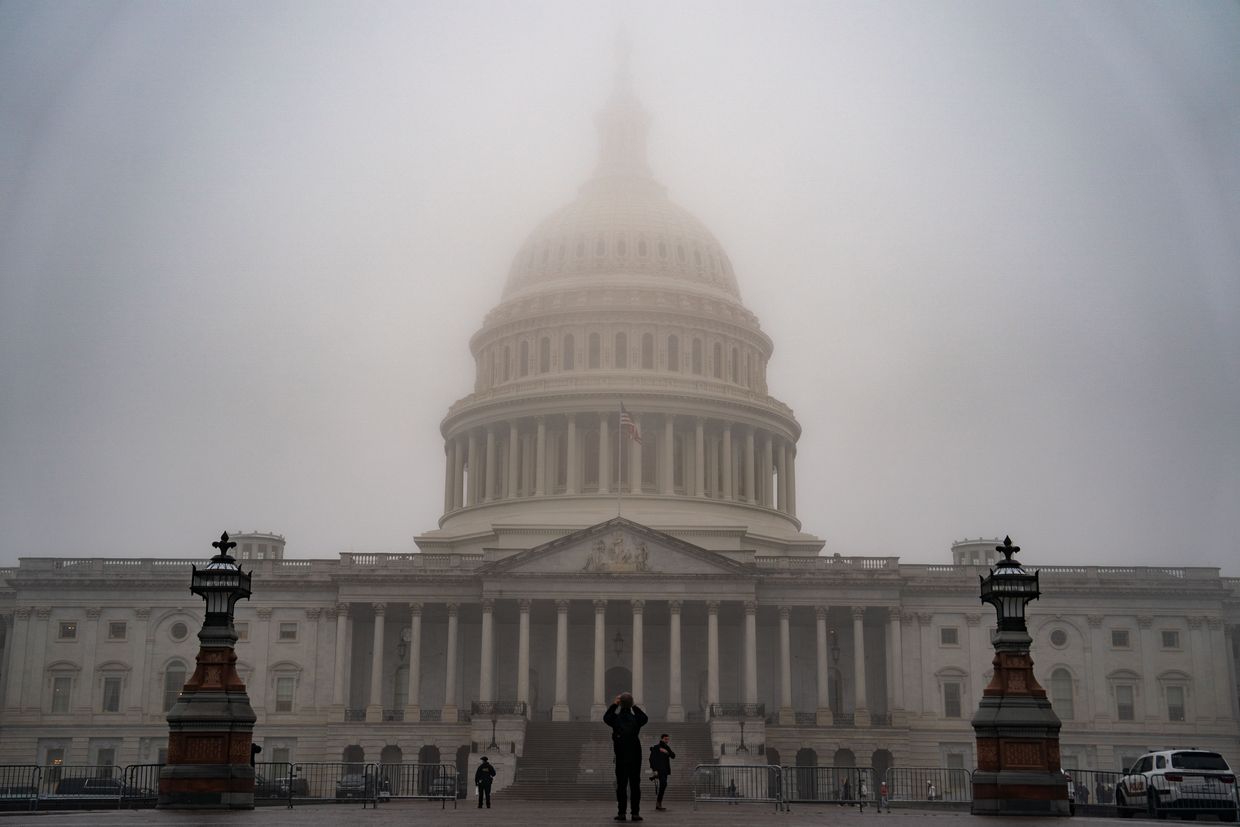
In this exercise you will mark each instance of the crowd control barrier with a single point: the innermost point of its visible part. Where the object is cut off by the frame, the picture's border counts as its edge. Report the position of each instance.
(738, 784)
(853, 786)
(929, 784)
(413, 780)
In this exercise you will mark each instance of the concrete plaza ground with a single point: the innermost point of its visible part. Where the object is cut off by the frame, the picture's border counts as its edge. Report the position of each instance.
(518, 814)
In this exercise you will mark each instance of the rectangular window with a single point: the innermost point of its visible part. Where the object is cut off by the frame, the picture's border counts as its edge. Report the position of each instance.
(243, 631)
(62, 690)
(1175, 703)
(281, 755)
(105, 759)
(951, 700)
(288, 631)
(949, 636)
(68, 630)
(1119, 638)
(284, 694)
(116, 630)
(1170, 639)
(111, 695)
(1124, 703)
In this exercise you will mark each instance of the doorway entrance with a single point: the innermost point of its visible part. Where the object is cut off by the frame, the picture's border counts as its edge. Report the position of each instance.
(616, 680)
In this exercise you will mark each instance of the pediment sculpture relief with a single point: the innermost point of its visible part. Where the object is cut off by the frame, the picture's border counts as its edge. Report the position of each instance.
(615, 555)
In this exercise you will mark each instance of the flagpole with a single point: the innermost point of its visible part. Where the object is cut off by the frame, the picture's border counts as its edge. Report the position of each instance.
(619, 460)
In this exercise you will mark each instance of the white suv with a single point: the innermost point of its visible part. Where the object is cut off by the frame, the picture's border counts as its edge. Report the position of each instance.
(1180, 782)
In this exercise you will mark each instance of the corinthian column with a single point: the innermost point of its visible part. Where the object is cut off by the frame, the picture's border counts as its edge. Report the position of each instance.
(560, 711)
(375, 711)
(751, 495)
(781, 476)
(860, 703)
(675, 707)
(604, 455)
(540, 459)
(639, 654)
(514, 461)
(523, 654)
(751, 652)
(767, 463)
(570, 467)
(449, 461)
(489, 493)
(787, 716)
(667, 483)
(342, 627)
(449, 681)
(458, 474)
(600, 665)
(472, 492)
(712, 654)
(413, 704)
(728, 488)
(824, 695)
(699, 459)
(487, 653)
(897, 665)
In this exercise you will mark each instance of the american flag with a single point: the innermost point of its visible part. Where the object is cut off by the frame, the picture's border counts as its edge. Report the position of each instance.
(628, 427)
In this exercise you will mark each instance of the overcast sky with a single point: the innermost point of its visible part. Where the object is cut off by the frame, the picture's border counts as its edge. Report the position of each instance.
(997, 245)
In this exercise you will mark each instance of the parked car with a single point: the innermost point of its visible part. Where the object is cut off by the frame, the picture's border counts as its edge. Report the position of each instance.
(92, 790)
(353, 785)
(1184, 782)
(443, 786)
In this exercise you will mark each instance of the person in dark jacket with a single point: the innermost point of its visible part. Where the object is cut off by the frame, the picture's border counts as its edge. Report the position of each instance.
(483, 776)
(626, 720)
(661, 756)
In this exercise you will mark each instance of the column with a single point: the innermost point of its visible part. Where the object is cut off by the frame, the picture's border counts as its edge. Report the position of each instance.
(489, 493)
(1096, 674)
(458, 484)
(861, 707)
(472, 461)
(601, 701)
(17, 646)
(1149, 683)
(570, 480)
(540, 459)
(523, 654)
(979, 653)
(767, 473)
(781, 476)
(375, 710)
(896, 676)
(413, 703)
(514, 459)
(449, 681)
(604, 455)
(699, 459)
(751, 652)
(342, 636)
(750, 494)
(787, 716)
(728, 492)
(560, 711)
(90, 637)
(675, 704)
(1229, 635)
(639, 651)
(668, 482)
(486, 652)
(824, 693)
(712, 653)
(792, 480)
(449, 474)
(635, 459)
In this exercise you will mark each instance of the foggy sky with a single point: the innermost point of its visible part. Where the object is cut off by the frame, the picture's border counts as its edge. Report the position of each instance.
(243, 247)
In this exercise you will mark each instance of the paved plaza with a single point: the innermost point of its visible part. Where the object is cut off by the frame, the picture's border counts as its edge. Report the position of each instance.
(518, 814)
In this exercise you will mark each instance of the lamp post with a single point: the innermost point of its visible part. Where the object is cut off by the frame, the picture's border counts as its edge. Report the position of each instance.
(210, 727)
(1018, 770)
(494, 723)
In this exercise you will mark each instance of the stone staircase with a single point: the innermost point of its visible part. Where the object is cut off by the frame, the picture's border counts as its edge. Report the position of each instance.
(574, 761)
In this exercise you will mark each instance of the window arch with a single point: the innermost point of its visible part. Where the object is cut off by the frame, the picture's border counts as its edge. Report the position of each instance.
(544, 354)
(648, 351)
(523, 368)
(673, 352)
(1061, 694)
(717, 367)
(697, 356)
(174, 678)
(621, 357)
(595, 348)
(568, 361)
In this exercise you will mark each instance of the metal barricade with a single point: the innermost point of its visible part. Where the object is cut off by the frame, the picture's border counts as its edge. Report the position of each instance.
(81, 785)
(929, 784)
(341, 781)
(414, 780)
(141, 785)
(273, 783)
(1093, 791)
(738, 784)
(852, 786)
(19, 786)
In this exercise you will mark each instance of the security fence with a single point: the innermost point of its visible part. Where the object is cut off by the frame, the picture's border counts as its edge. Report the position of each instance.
(335, 781)
(141, 785)
(842, 785)
(19, 786)
(929, 784)
(738, 784)
(82, 785)
(414, 780)
(1093, 791)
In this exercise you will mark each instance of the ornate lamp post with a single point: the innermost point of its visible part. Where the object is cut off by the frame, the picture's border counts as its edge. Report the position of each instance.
(1018, 771)
(211, 724)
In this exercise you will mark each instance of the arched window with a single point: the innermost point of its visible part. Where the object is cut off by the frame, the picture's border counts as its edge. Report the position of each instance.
(621, 356)
(736, 358)
(544, 354)
(1061, 694)
(174, 679)
(697, 356)
(717, 367)
(595, 357)
(648, 351)
(568, 362)
(523, 369)
(673, 353)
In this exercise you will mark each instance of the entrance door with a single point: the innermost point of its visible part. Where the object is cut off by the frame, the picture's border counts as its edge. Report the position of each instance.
(616, 680)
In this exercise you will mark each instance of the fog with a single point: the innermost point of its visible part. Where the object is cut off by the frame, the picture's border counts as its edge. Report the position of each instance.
(243, 247)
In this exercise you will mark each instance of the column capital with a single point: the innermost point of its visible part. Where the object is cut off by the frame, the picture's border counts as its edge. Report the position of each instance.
(571, 417)
(313, 613)
(820, 612)
(600, 606)
(490, 429)
(858, 612)
(44, 612)
(523, 605)
(1195, 621)
(540, 419)
(488, 604)
(380, 609)
(264, 613)
(453, 608)
(675, 606)
(1214, 622)
(973, 619)
(924, 618)
(894, 613)
(342, 609)
(638, 606)
(94, 612)
(1145, 621)
(784, 612)
(712, 607)
(1094, 621)
(751, 607)
(23, 612)
(141, 614)
(415, 609)
(561, 606)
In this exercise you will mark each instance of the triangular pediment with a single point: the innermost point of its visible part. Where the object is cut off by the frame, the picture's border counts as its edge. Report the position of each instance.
(618, 547)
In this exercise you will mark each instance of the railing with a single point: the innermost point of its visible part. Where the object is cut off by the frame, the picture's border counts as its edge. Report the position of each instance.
(80, 783)
(19, 786)
(141, 785)
(431, 781)
(1076, 573)
(843, 719)
(355, 713)
(394, 714)
(843, 785)
(880, 719)
(1094, 790)
(430, 716)
(738, 784)
(827, 563)
(806, 718)
(335, 781)
(484, 708)
(929, 784)
(726, 711)
(274, 783)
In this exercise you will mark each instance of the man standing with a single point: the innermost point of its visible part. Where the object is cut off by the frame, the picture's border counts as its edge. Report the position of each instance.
(626, 720)
(661, 756)
(483, 776)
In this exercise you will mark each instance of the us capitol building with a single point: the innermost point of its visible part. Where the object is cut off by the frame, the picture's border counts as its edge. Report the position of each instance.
(573, 562)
